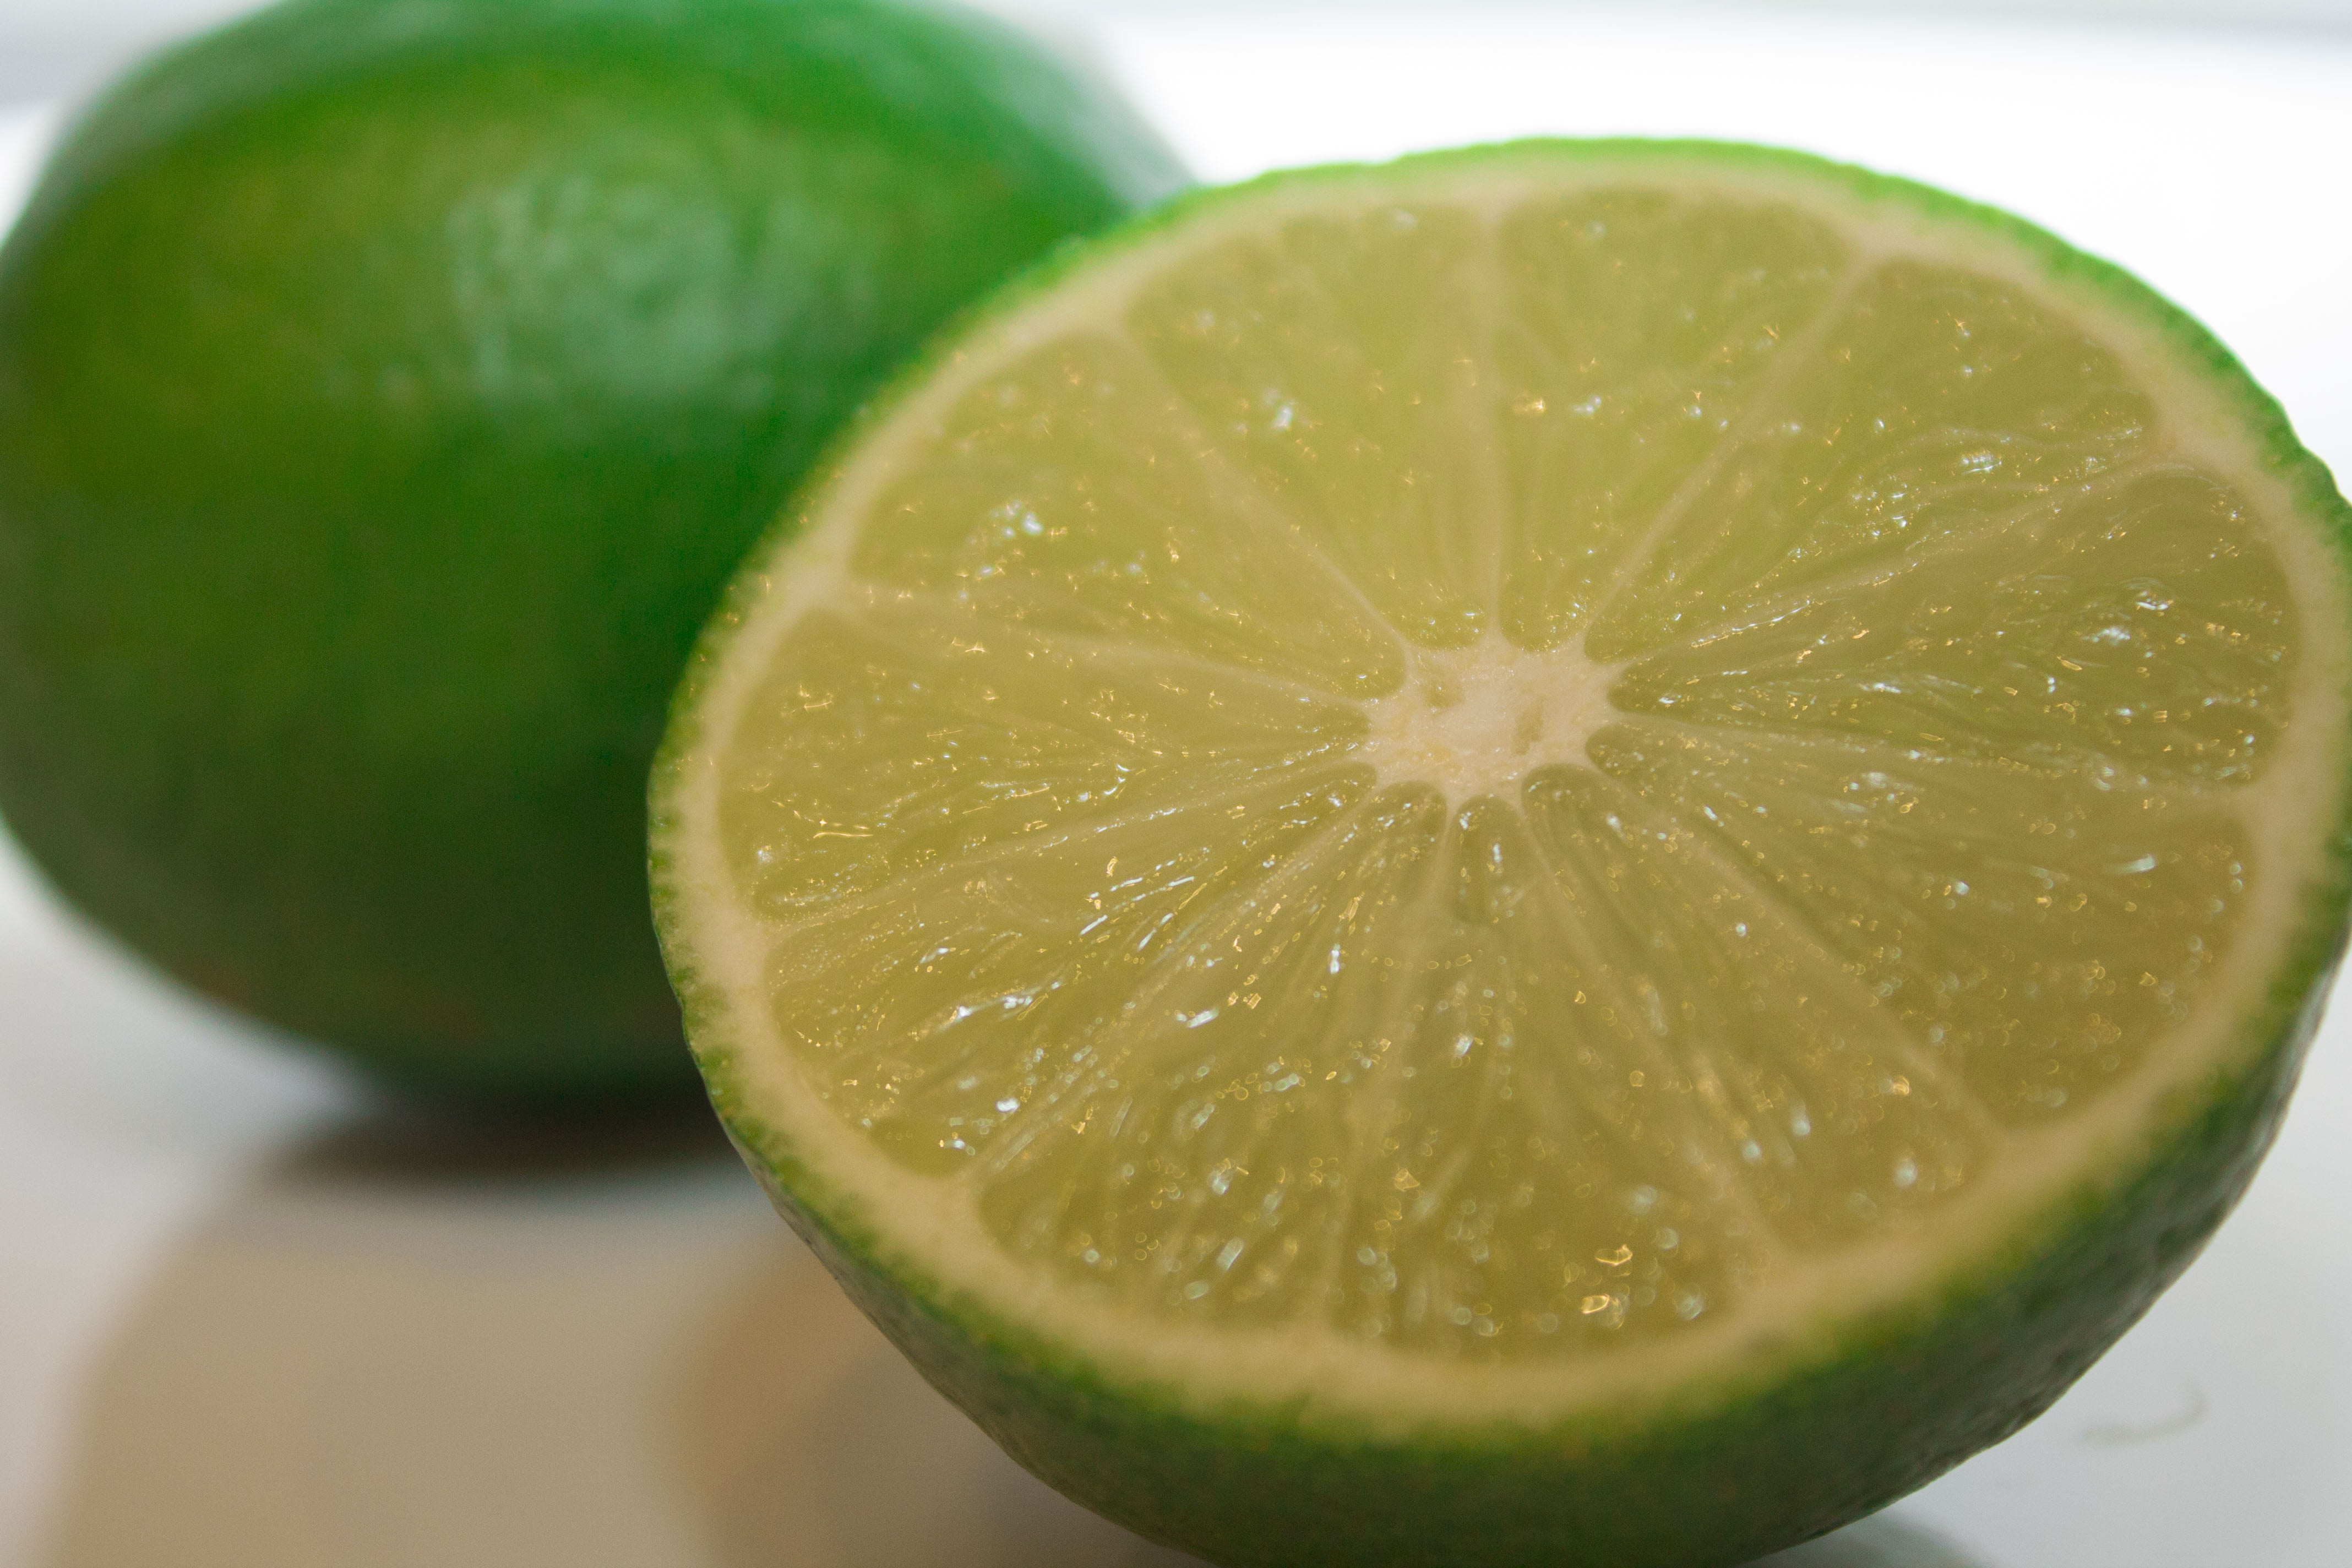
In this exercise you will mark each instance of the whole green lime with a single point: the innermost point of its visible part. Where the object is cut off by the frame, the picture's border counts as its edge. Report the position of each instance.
(386, 391)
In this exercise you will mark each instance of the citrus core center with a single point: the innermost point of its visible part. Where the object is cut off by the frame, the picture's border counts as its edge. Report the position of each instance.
(1479, 719)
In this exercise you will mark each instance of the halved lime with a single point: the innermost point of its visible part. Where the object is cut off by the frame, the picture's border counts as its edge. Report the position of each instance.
(1571, 853)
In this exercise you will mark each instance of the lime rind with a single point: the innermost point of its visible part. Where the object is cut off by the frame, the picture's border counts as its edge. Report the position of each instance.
(1886, 1398)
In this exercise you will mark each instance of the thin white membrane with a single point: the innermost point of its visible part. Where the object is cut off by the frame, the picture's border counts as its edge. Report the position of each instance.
(1362, 796)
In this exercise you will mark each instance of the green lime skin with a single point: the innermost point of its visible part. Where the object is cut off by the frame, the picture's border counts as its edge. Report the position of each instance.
(1711, 1473)
(387, 391)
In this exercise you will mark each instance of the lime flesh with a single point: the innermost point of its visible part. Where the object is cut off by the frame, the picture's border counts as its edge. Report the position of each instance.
(1456, 826)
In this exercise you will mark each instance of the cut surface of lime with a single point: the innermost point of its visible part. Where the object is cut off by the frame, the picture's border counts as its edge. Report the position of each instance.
(1534, 793)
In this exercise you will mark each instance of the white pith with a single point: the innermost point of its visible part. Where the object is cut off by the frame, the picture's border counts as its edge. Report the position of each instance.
(1474, 722)
(1479, 719)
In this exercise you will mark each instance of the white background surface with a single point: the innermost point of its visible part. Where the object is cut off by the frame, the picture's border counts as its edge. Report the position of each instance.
(247, 1320)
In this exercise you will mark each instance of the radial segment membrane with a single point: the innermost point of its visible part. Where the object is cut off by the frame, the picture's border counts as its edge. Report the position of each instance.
(1872, 702)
